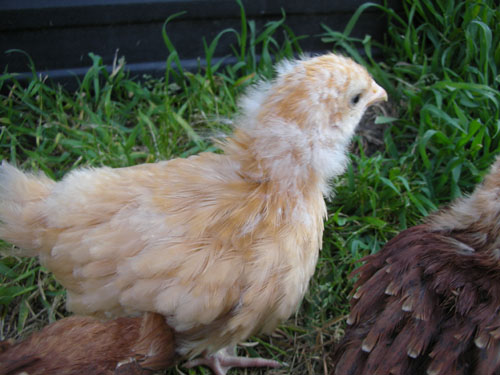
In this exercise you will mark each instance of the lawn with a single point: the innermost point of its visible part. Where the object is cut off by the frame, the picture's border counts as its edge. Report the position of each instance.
(432, 142)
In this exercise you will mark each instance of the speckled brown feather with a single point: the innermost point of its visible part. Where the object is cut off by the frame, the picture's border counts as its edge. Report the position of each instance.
(428, 302)
(84, 345)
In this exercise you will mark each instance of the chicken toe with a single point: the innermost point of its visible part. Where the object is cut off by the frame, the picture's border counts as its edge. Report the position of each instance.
(225, 359)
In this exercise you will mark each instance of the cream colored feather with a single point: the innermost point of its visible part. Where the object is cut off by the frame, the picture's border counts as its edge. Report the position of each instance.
(223, 245)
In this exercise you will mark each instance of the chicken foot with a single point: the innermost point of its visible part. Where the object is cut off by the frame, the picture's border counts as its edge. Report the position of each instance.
(225, 359)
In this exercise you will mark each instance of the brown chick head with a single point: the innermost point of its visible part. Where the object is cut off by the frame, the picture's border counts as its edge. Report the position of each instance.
(312, 107)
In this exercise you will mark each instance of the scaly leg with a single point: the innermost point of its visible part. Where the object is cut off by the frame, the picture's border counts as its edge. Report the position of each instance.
(225, 359)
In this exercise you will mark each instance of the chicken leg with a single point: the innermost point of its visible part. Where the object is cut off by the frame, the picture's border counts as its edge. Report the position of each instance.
(225, 359)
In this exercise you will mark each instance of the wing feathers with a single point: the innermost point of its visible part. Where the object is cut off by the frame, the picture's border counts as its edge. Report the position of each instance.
(426, 303)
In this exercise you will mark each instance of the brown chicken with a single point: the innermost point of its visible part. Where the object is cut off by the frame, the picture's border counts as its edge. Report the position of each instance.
(429, 301)
(84, 345)
(222, 245)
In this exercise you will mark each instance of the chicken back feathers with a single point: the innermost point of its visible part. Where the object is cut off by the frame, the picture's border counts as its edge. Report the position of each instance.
(222, 245)
(428, 302)
(85, 345)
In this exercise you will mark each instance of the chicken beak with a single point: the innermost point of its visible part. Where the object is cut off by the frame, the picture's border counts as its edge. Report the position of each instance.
(377, 94)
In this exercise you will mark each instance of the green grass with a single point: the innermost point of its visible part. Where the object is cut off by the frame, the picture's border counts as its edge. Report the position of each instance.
(435, 139)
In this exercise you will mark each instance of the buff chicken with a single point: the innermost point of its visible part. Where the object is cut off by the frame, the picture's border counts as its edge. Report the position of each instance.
(221, 244)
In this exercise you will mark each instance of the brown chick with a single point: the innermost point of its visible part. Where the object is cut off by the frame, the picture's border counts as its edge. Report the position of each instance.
(84, 345)
(429, 301)
(222, 245)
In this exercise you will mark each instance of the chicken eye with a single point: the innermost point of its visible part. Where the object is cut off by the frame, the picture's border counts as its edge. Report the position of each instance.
(355, 99)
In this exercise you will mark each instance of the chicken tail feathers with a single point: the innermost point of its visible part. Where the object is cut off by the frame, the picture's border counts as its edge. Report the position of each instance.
(21, 195)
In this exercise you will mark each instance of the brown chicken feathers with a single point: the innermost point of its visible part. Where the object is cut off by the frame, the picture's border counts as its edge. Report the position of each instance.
(222, 245)
(84, 345)
(429, 301)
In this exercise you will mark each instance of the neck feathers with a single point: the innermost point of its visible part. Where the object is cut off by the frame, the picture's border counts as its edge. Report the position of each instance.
(273, 156)
(479, 212)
